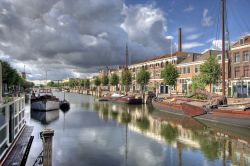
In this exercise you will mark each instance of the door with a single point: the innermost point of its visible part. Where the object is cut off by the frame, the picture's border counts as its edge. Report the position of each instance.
(166, 89)
(184, 88)
(161, 89)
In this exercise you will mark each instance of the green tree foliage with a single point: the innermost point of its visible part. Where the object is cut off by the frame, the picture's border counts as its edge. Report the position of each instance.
(105, 80)
(169, 74)
(210, 71)
(51, 84)
(114, 81)
(97, 81)
(72, 83)
(82, 83)
(169, 133)
(11, 76)
(197, 84)
(87, 83)
(126, 77)
(143, 77)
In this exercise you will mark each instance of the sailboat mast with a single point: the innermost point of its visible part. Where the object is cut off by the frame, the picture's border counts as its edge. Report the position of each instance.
(223, 45)
(126, 67)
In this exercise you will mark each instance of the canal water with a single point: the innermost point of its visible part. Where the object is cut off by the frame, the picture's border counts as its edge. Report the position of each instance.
(96, 133)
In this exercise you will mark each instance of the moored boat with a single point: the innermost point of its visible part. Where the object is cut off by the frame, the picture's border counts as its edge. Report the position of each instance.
(128, 100)
(178, 107)
(45, 101)
(64, 105)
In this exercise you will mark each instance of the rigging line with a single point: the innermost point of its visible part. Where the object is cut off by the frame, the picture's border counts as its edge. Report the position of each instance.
(236, 19)
(247, 4)
(243, 21)
(227, 27)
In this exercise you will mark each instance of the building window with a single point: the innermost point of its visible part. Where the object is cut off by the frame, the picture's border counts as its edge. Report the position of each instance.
(188, 69)
(246, 71)
(242, 41)
(184, 70)
(246, 56)
(237, 72)
(197, 67)
(180, 70)
(237, 58)
(219, 57)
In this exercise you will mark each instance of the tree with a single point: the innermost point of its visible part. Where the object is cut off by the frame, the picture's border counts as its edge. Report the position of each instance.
(10, 76)
(169, 74)
(210, 71)
(105, 80)
(71, 83)
(97, 81)
(114, 80)
(87, 83)
(51, 84)
(82, 83)
(126, 78)
(197, 84)
(143, 77)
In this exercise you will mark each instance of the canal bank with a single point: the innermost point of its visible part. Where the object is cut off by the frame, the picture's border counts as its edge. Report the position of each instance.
(94, 133)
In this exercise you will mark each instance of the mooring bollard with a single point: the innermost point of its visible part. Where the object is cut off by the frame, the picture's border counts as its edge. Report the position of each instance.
(47, 137)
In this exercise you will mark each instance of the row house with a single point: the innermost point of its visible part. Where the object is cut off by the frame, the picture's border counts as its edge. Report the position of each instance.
(240, 62)
(190, 67)
(155, 66)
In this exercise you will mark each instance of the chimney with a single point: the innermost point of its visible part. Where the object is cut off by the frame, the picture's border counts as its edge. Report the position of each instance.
(179, 41)
(1, 82)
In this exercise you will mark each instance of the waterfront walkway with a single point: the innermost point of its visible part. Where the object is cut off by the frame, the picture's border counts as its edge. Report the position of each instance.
(16, 154)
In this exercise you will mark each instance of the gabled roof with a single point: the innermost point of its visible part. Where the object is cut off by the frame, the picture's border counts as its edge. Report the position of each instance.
(195, 57)
(246, 41)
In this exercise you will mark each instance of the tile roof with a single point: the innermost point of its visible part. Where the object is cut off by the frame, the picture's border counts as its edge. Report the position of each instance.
(163, 56)
(246, 41)
(196, 57)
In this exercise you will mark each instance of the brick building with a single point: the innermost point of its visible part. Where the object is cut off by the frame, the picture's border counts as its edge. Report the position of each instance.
(240, 74)
(190, 67)
(155, 66)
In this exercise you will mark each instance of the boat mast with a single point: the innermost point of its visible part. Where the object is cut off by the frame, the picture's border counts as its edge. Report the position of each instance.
(223, 45)
(126, 67)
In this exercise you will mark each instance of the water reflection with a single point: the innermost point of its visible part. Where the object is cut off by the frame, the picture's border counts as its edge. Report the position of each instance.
(180, 132)
(45, 117)
(116, 134)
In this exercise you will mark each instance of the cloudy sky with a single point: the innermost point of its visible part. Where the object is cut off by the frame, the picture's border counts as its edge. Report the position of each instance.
(76, 38)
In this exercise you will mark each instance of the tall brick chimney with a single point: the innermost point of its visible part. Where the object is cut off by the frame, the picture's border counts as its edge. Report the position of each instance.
(179, 41)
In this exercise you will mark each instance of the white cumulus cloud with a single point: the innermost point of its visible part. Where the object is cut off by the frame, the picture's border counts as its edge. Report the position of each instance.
(206, 19)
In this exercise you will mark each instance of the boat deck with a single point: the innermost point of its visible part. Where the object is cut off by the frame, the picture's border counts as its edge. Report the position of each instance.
(232, 121)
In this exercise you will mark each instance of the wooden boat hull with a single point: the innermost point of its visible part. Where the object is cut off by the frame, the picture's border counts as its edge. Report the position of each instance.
(183, 109)
(126, 100)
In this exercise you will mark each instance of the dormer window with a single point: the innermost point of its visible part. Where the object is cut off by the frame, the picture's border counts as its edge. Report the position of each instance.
(241, 41)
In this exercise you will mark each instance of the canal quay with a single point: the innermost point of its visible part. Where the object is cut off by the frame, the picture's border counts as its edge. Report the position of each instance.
(102, 133)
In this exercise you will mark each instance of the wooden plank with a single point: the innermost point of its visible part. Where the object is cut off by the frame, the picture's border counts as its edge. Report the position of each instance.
(16, 154)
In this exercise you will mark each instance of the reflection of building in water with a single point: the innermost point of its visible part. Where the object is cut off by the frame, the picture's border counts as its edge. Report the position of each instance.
(45, 117)
(181, 133)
